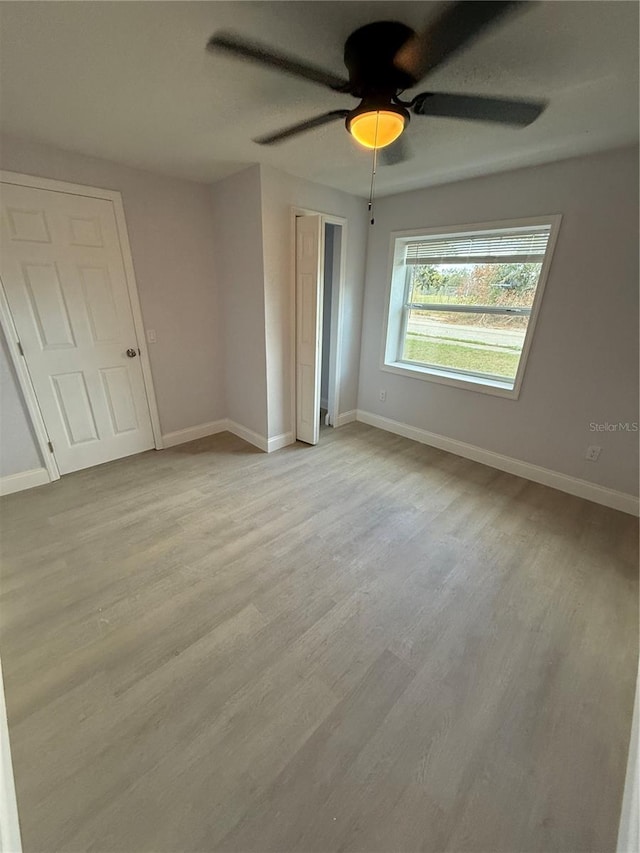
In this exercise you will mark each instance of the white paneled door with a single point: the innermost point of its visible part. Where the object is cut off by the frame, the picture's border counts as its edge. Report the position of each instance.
(309, 262)
(62, 269)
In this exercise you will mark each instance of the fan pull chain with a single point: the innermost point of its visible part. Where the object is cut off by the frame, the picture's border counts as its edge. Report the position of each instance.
(373, 180)
(374, 164)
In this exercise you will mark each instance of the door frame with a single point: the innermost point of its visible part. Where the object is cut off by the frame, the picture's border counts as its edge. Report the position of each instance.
(9, 329)
(337, 310)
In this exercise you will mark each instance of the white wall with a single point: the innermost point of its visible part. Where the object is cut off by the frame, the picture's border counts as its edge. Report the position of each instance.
(225, 349)
(252, 227)
(213, 267)
(237, 231)
(281, 192)
(169, 225)
(583, 365)
(18, 449)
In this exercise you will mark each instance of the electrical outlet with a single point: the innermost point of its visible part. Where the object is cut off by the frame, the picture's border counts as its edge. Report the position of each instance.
(382, 396)
(593, 453)
(151, 336)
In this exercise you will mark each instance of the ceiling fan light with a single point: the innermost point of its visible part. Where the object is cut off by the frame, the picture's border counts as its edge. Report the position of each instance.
(376, 128)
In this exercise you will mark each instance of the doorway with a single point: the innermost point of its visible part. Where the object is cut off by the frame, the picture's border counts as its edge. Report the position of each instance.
(70, 312)
(319, 278)
(330, 284)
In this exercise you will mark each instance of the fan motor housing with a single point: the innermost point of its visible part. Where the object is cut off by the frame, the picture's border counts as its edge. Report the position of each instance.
(368, 54)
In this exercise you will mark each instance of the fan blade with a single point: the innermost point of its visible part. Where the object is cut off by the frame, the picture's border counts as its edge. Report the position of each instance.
(500, 110)
(397, 152)
(301, 127)
(453, 29)
(265, 56)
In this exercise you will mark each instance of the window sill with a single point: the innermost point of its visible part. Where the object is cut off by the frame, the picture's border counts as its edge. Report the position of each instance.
(447, 377)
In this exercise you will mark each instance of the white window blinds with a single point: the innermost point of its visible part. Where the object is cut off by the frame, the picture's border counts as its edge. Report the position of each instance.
(523, 246)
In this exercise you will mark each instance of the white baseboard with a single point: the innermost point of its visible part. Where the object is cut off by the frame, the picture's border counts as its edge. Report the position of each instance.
(182, 436)
(564, 483)
(248, 435)
(346, 418)
(9, 825)
(24, 480)
(279, 441)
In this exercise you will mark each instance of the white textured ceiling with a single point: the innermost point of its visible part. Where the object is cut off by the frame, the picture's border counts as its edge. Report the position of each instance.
(132, 82)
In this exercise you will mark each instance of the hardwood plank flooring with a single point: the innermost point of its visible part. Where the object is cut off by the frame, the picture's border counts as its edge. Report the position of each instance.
(369, 645)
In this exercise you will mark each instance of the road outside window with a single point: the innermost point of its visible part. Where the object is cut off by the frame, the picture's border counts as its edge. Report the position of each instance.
(461, 304)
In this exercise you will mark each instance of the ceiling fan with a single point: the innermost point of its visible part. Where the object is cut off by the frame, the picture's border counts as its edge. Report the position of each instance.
(385, 58)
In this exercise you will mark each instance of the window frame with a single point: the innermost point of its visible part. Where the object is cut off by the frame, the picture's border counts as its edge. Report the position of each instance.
(396, 315)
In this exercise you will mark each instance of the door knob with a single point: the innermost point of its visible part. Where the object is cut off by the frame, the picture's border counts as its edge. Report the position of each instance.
(131, 353)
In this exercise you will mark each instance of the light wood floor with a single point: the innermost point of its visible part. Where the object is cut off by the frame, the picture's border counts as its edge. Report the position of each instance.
(369, 645)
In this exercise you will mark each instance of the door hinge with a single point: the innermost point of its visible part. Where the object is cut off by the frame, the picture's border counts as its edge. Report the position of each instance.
(50, 446)
(20, 348)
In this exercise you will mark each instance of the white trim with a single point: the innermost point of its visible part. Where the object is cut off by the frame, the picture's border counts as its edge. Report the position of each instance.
(182, 436)
(629, 831)
(337, 293)
(450, 230)
(545, 476)
(337, 316)
(279, 441)
(24, 480)
(248, 435)
(40, 183)
(456, 380)
(28, 391)
(347, 418)
(9, 824)
(115, 198)
(389, 351)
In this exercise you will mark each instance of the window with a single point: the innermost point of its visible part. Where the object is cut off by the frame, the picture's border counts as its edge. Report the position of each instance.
(463, 302)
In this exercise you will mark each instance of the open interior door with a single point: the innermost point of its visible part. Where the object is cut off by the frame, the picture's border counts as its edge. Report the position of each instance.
(309, 263)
